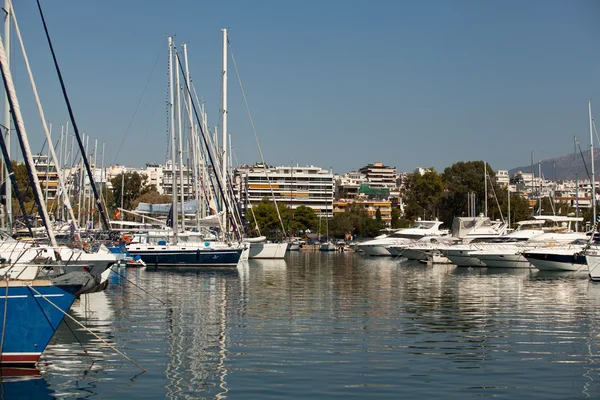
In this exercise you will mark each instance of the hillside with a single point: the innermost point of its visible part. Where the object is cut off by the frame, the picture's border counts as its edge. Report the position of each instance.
(565, 167)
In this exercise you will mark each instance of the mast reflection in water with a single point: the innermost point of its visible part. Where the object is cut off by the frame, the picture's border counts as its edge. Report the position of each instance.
(334, 325)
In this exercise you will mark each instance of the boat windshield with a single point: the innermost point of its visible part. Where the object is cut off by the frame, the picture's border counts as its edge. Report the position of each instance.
(423, 225)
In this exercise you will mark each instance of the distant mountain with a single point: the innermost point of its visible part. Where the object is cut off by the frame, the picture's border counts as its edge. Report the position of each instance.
(565, 167)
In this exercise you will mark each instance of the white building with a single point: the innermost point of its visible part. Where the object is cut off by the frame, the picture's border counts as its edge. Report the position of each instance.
(296, 186)
(380, 176)
(348, 185)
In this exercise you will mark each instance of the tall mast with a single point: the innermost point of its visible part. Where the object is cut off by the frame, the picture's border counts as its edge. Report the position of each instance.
(540, 189)
(508, 191)
(72, 117)
(22, 135)
(532, 185)
(576, 181)
(179, 137)
(593, 169)
(485, 188)
(224, 129)
(51, 151)
(193, 136)
(174, 212)
(7, 120)
(102, 178)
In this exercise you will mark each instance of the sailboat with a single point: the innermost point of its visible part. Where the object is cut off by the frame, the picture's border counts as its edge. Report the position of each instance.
(33, 303)
(196, 254)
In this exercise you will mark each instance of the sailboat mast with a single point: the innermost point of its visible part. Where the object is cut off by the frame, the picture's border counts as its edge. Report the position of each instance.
(485, 188)
(174, 212)
(194, 138)
(22, 135)
(576, 181)
(593, 169)
(180, 140)
(224, 129)
(7, 120)
(508, 192)
(72, 117)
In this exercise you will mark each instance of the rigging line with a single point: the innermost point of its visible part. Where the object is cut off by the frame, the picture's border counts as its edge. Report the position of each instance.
(84, 327)
(137, 286)
(73, 123)
(584, 164)
(137, 107)
(256, 137)
(495, 197)
(220, 185)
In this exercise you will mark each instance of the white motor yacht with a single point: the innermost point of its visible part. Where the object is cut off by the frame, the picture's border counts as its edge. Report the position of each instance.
(380, 245)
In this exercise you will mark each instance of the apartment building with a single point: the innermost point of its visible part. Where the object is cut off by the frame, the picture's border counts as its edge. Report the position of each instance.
(294, 186)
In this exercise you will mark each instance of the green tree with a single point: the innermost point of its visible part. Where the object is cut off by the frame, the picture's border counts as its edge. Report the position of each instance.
(519, 207)
(395, 221)
(460, 179)
(262, 217)
(304, 218)
(423, 194)
(152, 197)
(129, 187)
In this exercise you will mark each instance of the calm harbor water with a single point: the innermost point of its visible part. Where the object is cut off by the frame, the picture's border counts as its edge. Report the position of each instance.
(331, 326)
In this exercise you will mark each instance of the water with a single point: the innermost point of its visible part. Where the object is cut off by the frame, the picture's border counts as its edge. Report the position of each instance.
(331, 326)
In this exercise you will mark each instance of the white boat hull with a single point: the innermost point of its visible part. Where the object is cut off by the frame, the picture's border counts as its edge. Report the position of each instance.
(375, 250)
(327, 247)
(593, 264)
(267, 250)
(462, 258)
(503, 260)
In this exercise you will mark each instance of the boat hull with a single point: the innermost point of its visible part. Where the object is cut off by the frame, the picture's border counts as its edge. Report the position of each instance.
(503, 260)
(327, 247)
(267, 250)
(593, 263)
(189, 258)
(375, 250)
(462, 258)
(30, 319)
(556, 262)
(414, 254)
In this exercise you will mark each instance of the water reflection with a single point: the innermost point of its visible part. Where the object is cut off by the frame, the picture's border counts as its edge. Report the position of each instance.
(335, 325)
(197, 337)
(23, 383)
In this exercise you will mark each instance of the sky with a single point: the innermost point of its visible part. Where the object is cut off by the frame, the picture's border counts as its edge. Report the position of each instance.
(333, 83)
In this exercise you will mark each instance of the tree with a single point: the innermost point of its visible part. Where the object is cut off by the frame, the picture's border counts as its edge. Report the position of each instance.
(152, 197)
(422, 195)
(519, 206)
(460, 179)
(134, 186)
(264, 214)
(304, 218)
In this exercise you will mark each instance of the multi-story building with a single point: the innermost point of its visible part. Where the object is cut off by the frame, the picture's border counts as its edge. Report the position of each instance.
(371, 206)
(380, 176)
(348, 185)
(502, 178)
(47, 175)
(294, 186)
(187, 186)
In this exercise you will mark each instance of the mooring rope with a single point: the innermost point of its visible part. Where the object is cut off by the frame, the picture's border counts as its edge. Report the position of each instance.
(87, 329)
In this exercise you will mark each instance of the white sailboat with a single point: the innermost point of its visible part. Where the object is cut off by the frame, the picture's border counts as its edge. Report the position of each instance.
(196, 254)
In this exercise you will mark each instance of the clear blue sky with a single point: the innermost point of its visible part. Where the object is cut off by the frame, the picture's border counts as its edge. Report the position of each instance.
(331, 83)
